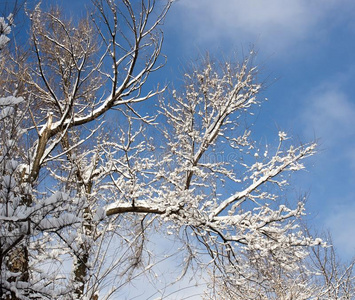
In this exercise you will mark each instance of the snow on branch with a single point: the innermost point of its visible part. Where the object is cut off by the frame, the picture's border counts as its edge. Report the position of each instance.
(262, 173)
(5, 30)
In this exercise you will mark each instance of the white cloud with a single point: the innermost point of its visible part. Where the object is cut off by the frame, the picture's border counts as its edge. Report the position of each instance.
(342, 224)
(275, 25)
(330, 114)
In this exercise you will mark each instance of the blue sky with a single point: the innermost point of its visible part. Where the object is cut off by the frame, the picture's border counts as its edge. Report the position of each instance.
(306, 53)
(306, 50)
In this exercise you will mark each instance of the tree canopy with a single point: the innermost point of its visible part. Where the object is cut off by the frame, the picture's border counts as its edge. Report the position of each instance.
(89, 176)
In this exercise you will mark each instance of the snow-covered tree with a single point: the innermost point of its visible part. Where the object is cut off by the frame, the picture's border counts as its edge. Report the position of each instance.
(321, 275)
(90, 169)
(72, 75)
(5, 30)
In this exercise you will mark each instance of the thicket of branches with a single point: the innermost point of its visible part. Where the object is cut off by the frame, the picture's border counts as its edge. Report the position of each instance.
(88, 175)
